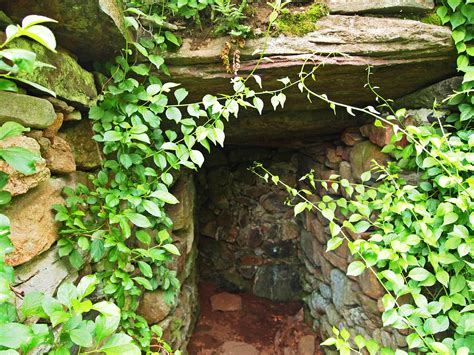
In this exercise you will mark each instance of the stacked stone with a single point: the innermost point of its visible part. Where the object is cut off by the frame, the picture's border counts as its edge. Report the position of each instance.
(249, 239)
(63, 141)
(335, 299)
(178, 319)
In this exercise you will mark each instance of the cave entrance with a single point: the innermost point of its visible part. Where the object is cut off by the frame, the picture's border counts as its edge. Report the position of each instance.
(249, 262)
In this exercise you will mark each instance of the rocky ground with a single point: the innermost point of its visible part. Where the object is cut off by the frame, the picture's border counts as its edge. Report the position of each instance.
(242, 324)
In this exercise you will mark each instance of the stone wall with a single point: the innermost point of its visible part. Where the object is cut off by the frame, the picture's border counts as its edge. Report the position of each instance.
(248, 238)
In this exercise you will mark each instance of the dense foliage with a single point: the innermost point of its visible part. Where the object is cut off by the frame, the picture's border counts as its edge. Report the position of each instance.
(119, 224)
(417, 239)
(420, 240)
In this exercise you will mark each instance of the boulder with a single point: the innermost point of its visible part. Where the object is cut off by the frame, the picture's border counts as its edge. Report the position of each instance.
(68, 80)
(43, 274)
(342, 295)
(396, 49)
(91, 29)
(278, 282)
(370, 285)
(19, 183)
(85, 150)
(226, 302)
(33, 227)
(182, 213)
(379, 6)
(237, 348)
(59, 158)
(27, 110)
(153, 307)
(362, 155)
(425, 97)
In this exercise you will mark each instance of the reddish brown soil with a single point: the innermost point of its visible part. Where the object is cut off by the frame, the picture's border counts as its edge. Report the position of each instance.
(268, 326)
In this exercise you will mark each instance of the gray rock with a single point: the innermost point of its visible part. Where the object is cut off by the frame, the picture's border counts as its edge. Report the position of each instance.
(425, 97)
(325, 290)
(379, 6)
(92, 29)
(45, 273)
(27, 110)
(278, 282)
(342, 293)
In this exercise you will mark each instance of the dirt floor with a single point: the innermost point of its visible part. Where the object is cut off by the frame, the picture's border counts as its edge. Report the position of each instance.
(258, 327)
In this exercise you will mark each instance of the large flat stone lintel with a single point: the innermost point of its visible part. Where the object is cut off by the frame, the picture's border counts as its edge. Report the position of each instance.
(405, 56)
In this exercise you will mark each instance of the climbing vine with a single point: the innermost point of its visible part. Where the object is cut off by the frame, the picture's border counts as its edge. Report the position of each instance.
(68, 315)
(418, 240)
(149, 133)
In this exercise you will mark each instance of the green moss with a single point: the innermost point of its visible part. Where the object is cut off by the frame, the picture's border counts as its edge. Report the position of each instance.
(432, 19)
(300, 23)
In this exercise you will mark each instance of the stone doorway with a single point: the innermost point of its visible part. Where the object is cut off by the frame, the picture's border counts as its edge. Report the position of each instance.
(249, 258)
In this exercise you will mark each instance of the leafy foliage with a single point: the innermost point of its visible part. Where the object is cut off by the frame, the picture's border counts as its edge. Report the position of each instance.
(14, 61)
(417, 240)
(149, 132)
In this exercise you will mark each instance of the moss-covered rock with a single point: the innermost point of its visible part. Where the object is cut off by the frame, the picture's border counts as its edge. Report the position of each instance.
(27, 110)
(301, 22)
(91, 29)
(69, 80)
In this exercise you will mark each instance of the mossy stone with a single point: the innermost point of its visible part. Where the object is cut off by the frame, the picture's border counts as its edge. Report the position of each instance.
(68, 80)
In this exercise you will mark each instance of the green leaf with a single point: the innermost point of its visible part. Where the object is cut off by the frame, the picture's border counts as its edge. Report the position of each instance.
(20, 159)
(97, 249)
(361, 226)
(165, 196)
(172, 38)
(138, 219)
(334, 243)
(457, 19)
(355, 268)
(112, 136)
(454, 4)
(439, 348)
(419, 274)
(174, 114)
(456, 284)
(32, 305)
(86, 286)
(365, 176)
(43, 35)
(197, 157)
(13, 335)
(180, 94)
(31, 20)
(156, 60)
(143, 237)
(67, 292)
(172, 249)
(145, 269)
(442, 277)
(450, 218)
(8, 85)
(81, 337)
(120, 344)
(152, 208)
